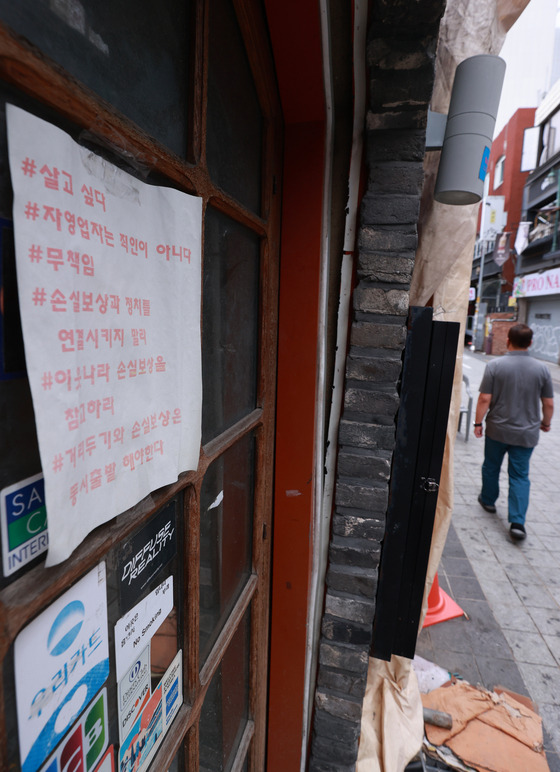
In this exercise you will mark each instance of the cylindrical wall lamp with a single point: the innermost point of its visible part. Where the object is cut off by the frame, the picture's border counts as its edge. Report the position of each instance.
(470, 127)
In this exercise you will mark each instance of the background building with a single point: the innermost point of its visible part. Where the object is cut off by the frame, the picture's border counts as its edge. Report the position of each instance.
(537, 285)
(499, 219)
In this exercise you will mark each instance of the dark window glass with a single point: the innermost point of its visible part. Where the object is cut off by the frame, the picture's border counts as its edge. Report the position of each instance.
(226, 518)
(225, 709)
(234, 115)
(230, 323)
(177, 763)
(134, 54)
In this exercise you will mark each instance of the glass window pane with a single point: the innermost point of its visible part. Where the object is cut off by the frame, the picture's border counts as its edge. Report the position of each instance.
(234, 131)
(225, 709)
(133, 53)
(230, 323)
(226, 519)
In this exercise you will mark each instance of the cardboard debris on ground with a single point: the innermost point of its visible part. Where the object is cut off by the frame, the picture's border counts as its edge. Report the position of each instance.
(492, 731)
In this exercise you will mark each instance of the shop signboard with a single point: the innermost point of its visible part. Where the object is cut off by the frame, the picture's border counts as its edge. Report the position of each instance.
(535, 284)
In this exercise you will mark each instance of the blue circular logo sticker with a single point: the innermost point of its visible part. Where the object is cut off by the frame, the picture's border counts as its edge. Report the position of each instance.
(65, 628)
(135, 670)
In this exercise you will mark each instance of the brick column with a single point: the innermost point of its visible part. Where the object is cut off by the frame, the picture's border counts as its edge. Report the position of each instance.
(401, 81)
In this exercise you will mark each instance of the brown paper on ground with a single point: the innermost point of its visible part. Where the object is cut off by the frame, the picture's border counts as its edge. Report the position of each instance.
(512, 717)
(462, 701)
(489, 750)
(502, 712)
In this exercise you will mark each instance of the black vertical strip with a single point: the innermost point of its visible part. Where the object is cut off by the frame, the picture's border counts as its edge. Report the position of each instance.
(437, 398)
(415, 367)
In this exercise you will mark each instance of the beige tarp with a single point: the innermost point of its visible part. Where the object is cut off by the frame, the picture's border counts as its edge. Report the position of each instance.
(392, 725)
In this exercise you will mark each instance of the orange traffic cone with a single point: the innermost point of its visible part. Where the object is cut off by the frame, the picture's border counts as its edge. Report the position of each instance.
(440, 606)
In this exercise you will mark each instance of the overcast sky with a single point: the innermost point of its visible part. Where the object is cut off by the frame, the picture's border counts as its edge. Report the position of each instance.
(528, 52)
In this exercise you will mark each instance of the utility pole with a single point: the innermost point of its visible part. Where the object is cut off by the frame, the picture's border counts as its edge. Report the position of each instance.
(479, 292)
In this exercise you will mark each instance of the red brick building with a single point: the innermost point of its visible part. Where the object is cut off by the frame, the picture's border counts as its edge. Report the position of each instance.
(500, 213)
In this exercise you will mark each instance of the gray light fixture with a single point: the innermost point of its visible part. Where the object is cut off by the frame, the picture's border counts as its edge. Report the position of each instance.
(469, 129)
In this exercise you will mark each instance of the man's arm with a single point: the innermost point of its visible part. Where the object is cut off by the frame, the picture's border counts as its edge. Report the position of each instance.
(547, 410)
(481, 409)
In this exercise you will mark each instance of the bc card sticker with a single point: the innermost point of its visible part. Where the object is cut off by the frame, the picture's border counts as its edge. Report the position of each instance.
(145, 554)
(23, 520)
(147, 732)
(84, 745)
(61, 661)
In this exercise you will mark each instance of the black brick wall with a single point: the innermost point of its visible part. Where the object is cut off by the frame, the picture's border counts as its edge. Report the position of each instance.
(401, 68)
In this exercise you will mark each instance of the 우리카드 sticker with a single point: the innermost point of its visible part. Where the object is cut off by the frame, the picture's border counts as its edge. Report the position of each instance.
(61, 661)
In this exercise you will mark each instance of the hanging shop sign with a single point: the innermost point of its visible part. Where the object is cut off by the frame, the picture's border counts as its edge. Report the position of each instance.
(61, 661)
(501, 248)
(522, 238)
(109, 283)
(535, 284)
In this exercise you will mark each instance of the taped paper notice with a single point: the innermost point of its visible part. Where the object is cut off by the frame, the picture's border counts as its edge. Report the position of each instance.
(109, 283)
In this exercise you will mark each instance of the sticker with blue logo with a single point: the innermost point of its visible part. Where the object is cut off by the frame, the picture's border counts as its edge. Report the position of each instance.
(148, 730)
(23, 522)
(484, 164)
(134, 692)
(173, 689)
(61, 661)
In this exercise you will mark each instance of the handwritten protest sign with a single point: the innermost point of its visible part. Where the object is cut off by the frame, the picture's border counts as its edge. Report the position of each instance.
(109, 282)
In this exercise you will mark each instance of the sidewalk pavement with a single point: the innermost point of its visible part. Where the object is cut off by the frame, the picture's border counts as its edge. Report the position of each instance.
(510, 591)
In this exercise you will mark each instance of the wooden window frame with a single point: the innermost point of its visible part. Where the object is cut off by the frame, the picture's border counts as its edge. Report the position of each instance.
(24, 67)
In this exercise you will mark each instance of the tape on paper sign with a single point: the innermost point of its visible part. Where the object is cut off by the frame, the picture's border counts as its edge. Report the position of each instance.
(61, 661)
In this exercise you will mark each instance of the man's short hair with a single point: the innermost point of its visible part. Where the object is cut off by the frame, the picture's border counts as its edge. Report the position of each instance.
(520, 335)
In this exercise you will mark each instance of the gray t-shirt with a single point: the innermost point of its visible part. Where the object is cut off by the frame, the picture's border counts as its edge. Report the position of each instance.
(517, 382)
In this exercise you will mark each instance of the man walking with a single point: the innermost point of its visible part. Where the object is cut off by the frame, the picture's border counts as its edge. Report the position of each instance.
(513, 390)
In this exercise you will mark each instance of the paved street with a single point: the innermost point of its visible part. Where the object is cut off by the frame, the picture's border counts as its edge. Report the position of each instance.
(510, 591)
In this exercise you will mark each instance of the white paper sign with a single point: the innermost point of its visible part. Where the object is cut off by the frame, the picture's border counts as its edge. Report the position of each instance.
(61, 662)
(109, 281)
(136, 628)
